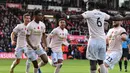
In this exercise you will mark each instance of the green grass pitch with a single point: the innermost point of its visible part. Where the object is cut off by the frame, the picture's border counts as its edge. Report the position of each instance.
(70, 66)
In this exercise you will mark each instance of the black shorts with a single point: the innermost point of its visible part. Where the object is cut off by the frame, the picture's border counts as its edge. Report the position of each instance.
(125, 52)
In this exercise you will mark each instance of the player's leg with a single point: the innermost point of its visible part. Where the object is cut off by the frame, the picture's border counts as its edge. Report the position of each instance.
(55, 60)
(92, 54)
(120, 64)
(101, 56)
(32, 57)
(125, 63)
(18, 54)
(109, 62)
(42, 54)
(50, 61)
(44, 60)
(14, 64)
(112, 58)
(59, 64)
(93, 64)
(35, 65)
(102, 68)
(28, 63)
(125, 59)
(106, 66)
(49, 52)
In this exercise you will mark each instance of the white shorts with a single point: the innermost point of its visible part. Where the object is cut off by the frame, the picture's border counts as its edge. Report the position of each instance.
(96, 49)
(20, 51)
(33, 54)
(56, 55)
(112, 58)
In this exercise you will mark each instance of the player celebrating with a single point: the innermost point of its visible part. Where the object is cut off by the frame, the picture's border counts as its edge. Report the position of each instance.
(58, 37)
(20, 31)
(115, 36)
(36, 35)
(96, 51)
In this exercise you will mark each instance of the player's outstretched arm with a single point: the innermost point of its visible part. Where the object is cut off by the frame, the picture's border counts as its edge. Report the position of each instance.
(115, 18)
(72, 16)
(75, 17)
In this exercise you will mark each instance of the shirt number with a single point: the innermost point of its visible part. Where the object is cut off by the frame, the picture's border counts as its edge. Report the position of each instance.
(99, 23)
(109, 59)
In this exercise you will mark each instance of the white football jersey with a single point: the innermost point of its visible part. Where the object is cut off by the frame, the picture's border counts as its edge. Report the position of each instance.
(20, 30)
(35, 30)
(95, 20)
(115, 42)
(58, 37)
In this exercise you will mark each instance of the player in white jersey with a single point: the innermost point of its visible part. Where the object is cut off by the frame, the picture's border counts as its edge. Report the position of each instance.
(57, 37)
(20, 31)
(36, 35)
(115, 36)
(96, 51)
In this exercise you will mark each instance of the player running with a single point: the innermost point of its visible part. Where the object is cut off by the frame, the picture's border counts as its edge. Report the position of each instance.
(20, 31)
(57, 37)
(115, 36)
(36, 35)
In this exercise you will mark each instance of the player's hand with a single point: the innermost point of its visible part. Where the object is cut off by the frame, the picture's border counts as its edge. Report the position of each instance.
(13, 43)
(35, 47)
(46, 48)
(49, 52)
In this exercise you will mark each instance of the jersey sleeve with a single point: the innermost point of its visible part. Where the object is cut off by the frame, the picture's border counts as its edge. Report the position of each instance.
(44, 28)
(109, 33)
(86, 14)
(107, 17)
(29, 29)
(16, 29)
(123, 31)
(67, 32)
(53, 32)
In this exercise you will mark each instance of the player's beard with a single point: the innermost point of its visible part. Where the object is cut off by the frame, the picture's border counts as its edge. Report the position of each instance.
(115, 25)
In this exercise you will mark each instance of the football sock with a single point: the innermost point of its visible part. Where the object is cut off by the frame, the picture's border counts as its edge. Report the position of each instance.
(28, 63)
(120, 65)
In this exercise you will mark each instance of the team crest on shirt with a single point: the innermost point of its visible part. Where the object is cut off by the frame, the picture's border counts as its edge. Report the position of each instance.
(62, 35)
(23, 31)
(37, 30)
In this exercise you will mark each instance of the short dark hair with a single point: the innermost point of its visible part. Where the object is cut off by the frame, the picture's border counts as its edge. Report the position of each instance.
(26, 14)
(36, 12)
(61, 19)
(96, 5)
(91, 4)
